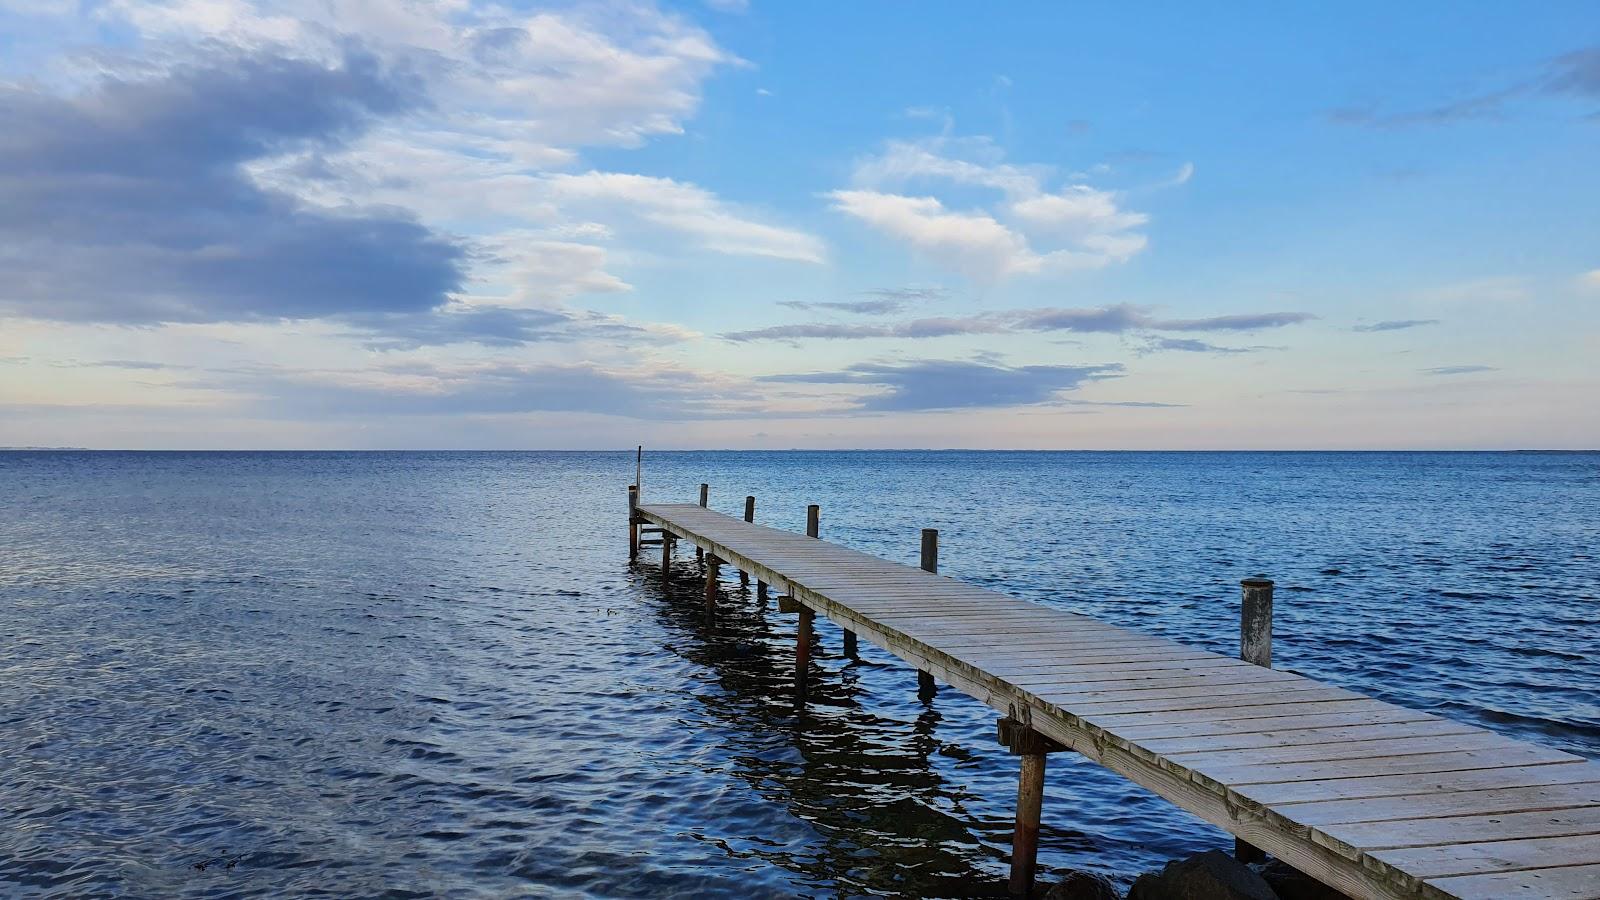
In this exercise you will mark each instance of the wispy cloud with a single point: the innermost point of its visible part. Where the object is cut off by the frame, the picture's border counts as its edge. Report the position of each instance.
(882, 302)
(1395, 325)
(1575, 74)
(1190, 345)
(1458, 370)
(926, 385)
(1115, 319)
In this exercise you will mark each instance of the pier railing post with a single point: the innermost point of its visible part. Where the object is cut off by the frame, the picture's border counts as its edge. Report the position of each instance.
(633, 522)
(926, 689)
(749, 516)
(705, 494)
(1255, 646)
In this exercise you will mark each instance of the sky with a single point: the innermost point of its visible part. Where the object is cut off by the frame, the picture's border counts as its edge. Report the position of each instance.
(728, 224)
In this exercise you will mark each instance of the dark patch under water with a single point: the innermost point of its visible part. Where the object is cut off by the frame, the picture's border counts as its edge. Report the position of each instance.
(434, 674)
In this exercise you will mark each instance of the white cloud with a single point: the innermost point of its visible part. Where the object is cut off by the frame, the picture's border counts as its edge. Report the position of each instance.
(1027, 229)
(689, 210)
(972, 243)
(1590, 280)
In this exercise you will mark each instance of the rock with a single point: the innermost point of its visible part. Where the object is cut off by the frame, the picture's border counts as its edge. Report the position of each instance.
(1083, 886)
(1212, 875)
(1290, 883)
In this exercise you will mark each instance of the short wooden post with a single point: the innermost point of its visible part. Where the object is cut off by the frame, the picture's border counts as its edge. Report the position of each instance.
(713, 568)
(813, 517)
(699, 552)
(633, 522)
(749, 516)
(1255, 646)
(666, 554)
(926, 689)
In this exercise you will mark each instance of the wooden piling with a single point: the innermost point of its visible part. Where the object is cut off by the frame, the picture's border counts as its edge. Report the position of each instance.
(666, 554)
(1025, 840)
(713, 569)
(802, 639)
(749, 516)
(926, 688)
(633, 522)
(1255, 646)
(705, 495)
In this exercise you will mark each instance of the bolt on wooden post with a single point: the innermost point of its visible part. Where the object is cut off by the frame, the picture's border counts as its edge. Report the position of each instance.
(633, 522)
(1255, 646)
(926, 689)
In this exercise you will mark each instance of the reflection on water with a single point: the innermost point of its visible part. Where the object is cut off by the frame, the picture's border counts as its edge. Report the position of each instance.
(395, 675)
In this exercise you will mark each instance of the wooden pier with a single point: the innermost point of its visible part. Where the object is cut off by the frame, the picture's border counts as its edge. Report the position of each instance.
(1377, 800)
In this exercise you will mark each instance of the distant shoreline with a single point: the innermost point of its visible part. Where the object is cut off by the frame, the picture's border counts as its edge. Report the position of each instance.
(1529, 450)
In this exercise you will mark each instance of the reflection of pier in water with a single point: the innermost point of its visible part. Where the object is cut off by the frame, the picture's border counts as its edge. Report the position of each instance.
(1376, 800)
(864, 782)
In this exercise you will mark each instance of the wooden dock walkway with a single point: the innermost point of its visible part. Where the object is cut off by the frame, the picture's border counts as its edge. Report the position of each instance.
(1376, 800)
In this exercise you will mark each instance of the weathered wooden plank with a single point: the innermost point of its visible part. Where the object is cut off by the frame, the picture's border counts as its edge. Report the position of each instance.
(1446, 860)
(1395, 785)
(1566, 883)
(1304, 753)
(1404, 833)
(1291, 737)
(1451, 803)
(1500, 757)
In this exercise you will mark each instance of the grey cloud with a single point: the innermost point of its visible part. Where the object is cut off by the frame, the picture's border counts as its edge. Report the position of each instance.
(1458, 370)
(1395, 325)
(938, 384)
(1577, 72)
(497, 326)
(881, 302)
(1190, 345)
(916, 328)
(1244, 322)
(1115, 319)
(877, 307)
(129, 202)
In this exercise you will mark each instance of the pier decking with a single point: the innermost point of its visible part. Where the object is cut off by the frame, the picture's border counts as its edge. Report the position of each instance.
(1376, 800)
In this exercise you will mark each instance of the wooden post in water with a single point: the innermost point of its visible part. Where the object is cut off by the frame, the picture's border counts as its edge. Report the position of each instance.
(926, 689)
(666, 553)
(802, 637)
(713, 569)
(699, 552)
(1030, 747)
(749, 516)
(1255, 646)
(633, 522)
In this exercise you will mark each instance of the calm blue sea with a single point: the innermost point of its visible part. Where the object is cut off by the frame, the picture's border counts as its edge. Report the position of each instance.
(434, 674)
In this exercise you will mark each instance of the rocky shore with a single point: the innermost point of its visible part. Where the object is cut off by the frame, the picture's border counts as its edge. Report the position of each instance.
(1213, 875)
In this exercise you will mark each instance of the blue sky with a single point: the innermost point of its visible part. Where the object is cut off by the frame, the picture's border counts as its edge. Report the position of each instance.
(227, 223)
